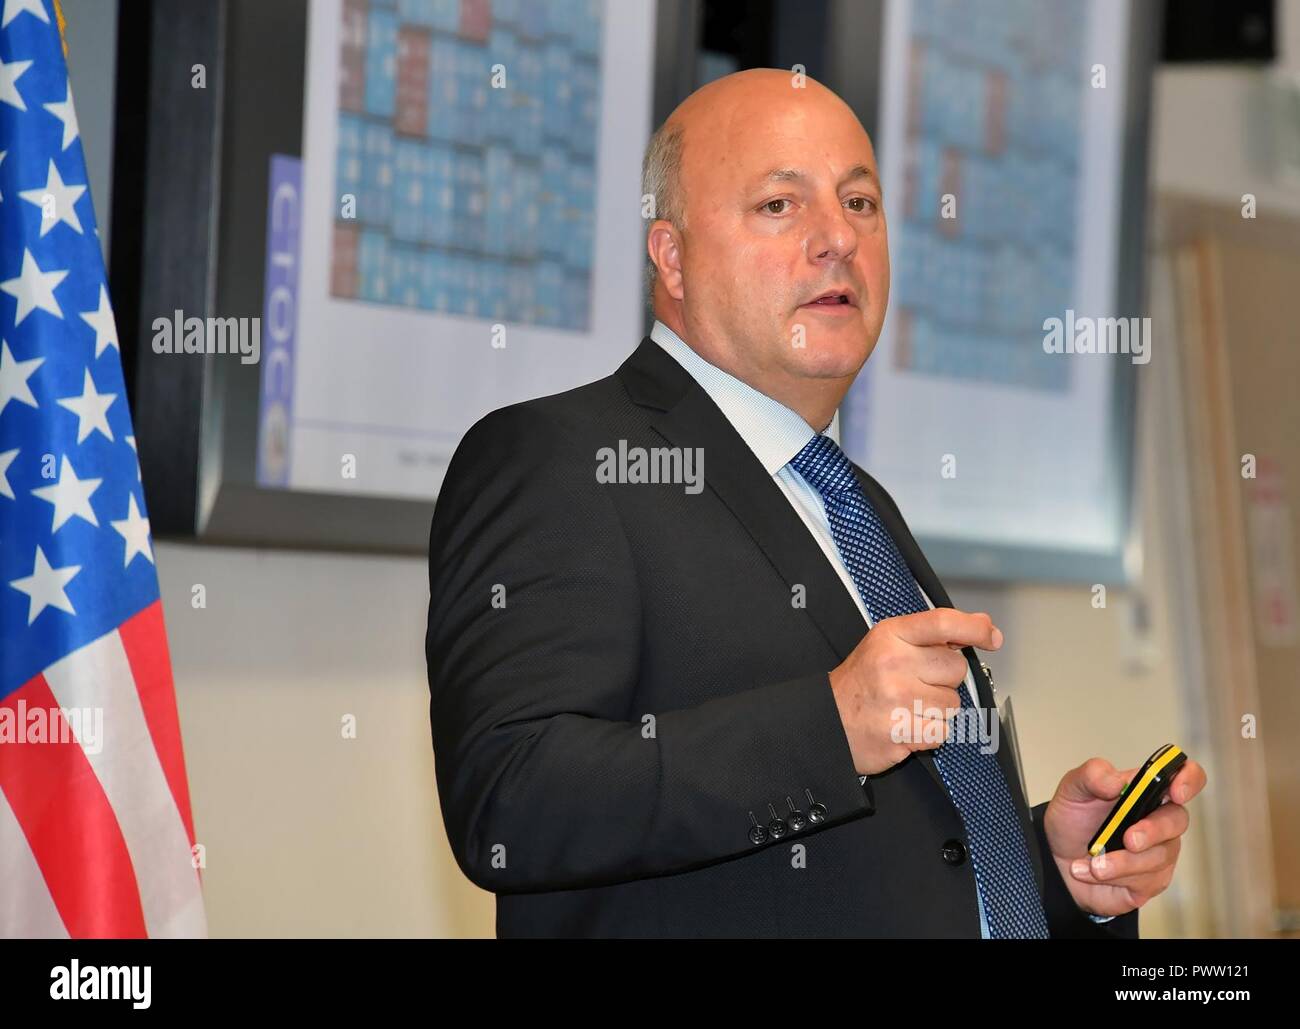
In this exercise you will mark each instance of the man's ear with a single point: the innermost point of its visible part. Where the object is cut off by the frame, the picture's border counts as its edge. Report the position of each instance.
(663, 243)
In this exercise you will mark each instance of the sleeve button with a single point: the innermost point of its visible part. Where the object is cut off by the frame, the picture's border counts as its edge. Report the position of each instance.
(776, 826)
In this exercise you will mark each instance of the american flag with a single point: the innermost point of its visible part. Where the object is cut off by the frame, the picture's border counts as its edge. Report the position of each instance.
(96, 836)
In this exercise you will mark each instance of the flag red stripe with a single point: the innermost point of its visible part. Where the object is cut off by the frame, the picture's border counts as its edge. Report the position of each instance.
(144, 637)
(70, 826)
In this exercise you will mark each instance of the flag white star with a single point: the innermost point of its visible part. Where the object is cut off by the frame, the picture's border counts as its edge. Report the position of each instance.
(14, 376)
(34, 288)
(6, 459)
(103, 324)
(9, 75)
(13, 8)
(66, 113)
(45, 586)
(91, 409)
(65, 199)
(70, 496)
(135, 530)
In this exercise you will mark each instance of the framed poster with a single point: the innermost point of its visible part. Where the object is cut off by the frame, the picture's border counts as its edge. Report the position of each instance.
(1012, 155)
(469, 232)
(425, 210)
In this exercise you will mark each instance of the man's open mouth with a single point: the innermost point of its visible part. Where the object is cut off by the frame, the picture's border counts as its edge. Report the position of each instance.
(833, 298)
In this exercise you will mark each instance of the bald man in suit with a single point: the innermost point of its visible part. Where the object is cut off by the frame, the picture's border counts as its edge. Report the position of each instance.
(690, 673)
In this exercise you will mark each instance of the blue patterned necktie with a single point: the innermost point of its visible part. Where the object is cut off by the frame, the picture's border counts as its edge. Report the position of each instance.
(999, 852)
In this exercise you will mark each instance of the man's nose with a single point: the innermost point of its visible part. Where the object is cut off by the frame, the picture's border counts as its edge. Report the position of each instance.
(832, 237)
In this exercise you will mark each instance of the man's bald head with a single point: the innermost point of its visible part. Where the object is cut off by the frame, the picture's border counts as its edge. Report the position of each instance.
(751, 176)
(661, 167)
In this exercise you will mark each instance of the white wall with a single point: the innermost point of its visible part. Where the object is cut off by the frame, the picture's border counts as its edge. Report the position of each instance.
(308, 833)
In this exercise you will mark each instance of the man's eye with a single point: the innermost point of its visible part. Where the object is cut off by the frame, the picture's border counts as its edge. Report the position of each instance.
(771, 206)
(866, 204)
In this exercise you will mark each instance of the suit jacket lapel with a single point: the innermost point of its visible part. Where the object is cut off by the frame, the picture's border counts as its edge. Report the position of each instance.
(689, 418)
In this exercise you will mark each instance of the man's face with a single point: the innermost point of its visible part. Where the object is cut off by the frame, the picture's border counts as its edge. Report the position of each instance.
(784, 261)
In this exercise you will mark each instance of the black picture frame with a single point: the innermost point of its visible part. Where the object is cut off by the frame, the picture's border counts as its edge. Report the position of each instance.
(191, 176)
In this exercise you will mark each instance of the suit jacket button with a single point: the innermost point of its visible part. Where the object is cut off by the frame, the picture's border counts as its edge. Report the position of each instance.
(758, 836)
(954, 851)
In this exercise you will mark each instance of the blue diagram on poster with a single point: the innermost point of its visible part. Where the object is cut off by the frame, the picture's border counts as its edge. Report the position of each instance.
(468, 135)
(994, 121)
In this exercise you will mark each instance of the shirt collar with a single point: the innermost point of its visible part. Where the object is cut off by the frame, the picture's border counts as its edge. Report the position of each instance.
(772, 431)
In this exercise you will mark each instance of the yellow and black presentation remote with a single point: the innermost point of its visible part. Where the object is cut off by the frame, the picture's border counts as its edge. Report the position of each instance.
(1139, 798)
